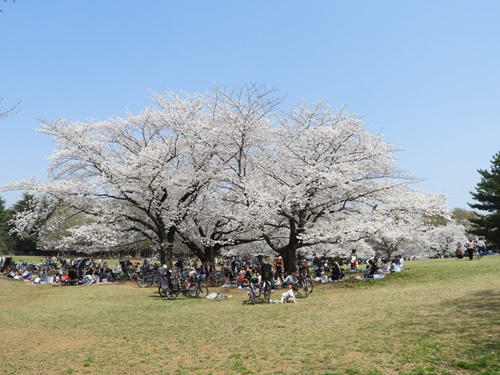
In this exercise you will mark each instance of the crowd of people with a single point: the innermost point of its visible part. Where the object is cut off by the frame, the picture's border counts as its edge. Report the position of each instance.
(234, 271)
(58, 271)
(471, 247)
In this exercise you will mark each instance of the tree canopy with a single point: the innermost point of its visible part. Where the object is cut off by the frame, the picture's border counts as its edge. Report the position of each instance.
(487, 197)
(223, 169)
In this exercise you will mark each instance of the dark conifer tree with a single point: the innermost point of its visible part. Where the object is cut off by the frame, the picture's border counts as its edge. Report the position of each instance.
(487, 196)
(5, 239)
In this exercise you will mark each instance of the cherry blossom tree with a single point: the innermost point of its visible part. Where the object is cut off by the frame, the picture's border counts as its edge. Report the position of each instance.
(443, 238)
(404, 221)
(139, 174)
(324, 180)
(160, 174)
(221, 218)
(222, 169)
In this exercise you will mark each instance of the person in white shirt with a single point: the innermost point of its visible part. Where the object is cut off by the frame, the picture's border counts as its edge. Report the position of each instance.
(288, 294)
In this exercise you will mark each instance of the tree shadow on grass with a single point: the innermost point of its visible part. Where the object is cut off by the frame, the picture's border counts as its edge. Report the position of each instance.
(479, 303)
(480, 312)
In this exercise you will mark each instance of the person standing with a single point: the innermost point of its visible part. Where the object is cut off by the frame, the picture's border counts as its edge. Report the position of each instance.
(354, 260)
(470, 249)
(266, 271)
(481, 247)
(279, 268)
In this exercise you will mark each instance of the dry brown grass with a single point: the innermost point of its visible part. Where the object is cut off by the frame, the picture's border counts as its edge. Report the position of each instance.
(439, 318)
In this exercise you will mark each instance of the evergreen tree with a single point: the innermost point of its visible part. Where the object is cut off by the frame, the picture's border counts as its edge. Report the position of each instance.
(487, 196)
(5, 238)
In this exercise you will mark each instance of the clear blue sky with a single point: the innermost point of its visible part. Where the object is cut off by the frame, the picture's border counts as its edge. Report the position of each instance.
(426, 74)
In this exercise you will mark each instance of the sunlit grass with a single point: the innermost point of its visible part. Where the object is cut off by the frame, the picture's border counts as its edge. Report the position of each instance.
(439, 318)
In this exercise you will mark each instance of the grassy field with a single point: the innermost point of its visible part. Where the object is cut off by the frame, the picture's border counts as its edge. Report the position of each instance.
(441, 317)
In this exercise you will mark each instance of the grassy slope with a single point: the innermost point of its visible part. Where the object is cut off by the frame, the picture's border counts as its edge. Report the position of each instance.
(439, 318)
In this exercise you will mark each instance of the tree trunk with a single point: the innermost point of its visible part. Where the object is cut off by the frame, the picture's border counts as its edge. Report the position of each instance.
(210, 252)
(166, 254)
(289, 254)
(163, 254)
(289, 251)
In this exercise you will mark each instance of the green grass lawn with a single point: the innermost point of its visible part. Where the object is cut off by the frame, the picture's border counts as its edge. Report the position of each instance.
(441, 317)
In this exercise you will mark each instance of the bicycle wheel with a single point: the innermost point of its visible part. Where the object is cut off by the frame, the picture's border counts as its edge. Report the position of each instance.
(161, 292)
(251, 295)
(304, 288)
(299, 289)
(267, 291)
(139, 280)
(201, 291)
(307, 287)
(171, 294)
(145, 281)
(211, 282)
(154, 279)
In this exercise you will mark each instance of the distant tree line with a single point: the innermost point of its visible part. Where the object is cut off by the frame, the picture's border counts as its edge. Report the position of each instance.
(11, 243)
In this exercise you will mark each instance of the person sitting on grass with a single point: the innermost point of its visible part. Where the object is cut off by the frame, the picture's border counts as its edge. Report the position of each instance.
(276, 281)
(394, 267)
(228, 276)
(72, 275)
(288, 294)
(400, 262)
(319, 272)
(290, 279)
(337, 273)
(373, 267)
(384, 267)
(107, 275)
(87, 279)
(26, 274)
(64, 279)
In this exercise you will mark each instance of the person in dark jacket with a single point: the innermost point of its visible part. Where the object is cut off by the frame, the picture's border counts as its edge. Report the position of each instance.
(337, 273)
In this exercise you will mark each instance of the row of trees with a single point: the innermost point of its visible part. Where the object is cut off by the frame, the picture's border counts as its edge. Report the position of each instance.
(226, 170)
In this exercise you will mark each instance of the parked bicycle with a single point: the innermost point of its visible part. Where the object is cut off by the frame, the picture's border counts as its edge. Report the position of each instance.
(266, 288)
(304, 287)
(262, 289)
(171, 284)
(147, 277)
(215, 279)
(254, 290)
